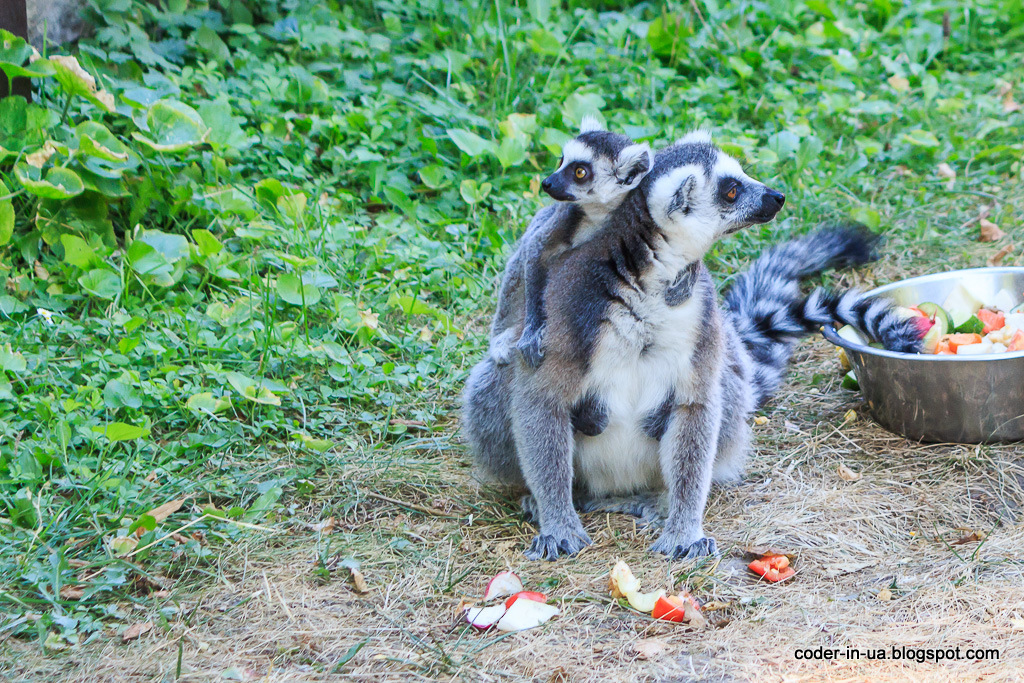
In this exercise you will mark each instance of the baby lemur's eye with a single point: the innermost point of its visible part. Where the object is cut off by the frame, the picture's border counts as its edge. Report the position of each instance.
(581, 173)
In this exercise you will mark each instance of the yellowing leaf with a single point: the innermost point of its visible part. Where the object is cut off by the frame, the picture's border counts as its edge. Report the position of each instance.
(990, 232)
(899, 83)
(161, 513)
(136, 630)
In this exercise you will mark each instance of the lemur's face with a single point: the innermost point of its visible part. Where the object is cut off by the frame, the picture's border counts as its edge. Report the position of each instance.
(699, 193)
(598, 169)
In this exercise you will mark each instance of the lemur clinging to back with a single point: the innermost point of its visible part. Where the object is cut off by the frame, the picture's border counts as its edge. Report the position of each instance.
(596, 171)
(647, 383)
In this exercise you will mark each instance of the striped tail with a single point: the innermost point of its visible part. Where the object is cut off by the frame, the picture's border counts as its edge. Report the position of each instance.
(771, 315)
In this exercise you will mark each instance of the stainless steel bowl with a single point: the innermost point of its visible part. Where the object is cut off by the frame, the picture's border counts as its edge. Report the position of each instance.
(969, 399)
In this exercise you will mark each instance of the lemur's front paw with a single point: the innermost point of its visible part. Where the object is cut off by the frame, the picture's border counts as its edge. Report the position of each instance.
(503, 348)
(562, 542)
(680, 548)
(531, 345)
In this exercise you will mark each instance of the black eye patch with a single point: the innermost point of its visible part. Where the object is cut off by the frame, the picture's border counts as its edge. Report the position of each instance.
(581, 172)
(729, 190)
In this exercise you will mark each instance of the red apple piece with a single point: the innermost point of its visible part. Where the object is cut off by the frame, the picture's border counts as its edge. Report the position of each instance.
(503, 583)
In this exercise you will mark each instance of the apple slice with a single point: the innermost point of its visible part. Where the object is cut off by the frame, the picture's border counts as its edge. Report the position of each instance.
(503, 583)
(644, 602)
(526, 595)
(621, 581)
(485, 617)
(524, 614)
(850, 334)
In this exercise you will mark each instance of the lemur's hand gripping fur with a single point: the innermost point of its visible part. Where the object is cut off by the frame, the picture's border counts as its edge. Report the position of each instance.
(503, 347)
(531, 345)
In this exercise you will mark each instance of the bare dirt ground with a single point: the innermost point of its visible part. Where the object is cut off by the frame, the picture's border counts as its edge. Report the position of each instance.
(890, 560)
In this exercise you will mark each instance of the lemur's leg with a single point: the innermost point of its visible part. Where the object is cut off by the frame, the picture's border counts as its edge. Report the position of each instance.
(544, 442)
(687, 452)
(487, 422)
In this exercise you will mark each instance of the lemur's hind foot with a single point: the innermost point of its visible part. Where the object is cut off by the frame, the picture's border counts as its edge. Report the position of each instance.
(645, 507)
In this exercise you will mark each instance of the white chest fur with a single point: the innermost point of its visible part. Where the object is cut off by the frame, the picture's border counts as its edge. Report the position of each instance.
(645, 353)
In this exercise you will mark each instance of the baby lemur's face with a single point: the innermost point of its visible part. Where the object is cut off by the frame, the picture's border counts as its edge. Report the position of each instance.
(700, 193)
(598, 169)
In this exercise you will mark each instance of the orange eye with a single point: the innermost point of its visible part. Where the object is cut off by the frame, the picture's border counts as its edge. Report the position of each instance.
(581, 173)
(731, 194)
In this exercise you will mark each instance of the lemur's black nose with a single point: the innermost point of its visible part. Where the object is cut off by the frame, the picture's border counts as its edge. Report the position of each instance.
(776, 197)
(546, 185)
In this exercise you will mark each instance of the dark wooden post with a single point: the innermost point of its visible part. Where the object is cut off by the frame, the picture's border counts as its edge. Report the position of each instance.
(14, 18)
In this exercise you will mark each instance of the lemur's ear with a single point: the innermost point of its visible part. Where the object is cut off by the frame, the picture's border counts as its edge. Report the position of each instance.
(682, 198)
(632, 164)
(700, 136)
(590, 123)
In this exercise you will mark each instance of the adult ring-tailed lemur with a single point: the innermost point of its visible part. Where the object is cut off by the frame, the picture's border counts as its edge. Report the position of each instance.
(646, 383)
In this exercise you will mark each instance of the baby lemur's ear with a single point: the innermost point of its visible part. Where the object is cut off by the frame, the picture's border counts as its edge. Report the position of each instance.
(682, 198)
(632, 164)
(590, 123)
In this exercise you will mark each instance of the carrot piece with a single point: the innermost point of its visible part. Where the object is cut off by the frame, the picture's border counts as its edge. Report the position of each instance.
(772, 568)
(942, 348)
(958, 340)
(991, 320)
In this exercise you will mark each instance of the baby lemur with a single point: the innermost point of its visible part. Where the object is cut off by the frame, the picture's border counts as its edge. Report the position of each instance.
(596, 171)
(647, 383)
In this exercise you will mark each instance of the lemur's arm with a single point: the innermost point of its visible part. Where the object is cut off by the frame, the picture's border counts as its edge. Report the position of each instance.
(543, 244)
(513, 288)
(535, 277)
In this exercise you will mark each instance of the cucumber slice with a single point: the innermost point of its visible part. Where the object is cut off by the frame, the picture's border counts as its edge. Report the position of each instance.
(850, 381)
(876, 345)
(970, 326)
(938, 314)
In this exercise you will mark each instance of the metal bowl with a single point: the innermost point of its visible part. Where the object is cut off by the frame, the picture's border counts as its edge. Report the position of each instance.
(970, 399)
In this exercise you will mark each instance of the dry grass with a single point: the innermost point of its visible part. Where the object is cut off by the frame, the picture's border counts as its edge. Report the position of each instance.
(267, 616)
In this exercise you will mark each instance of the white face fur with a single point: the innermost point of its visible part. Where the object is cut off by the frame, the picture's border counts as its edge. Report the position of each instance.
(598, 169)
(704, 194)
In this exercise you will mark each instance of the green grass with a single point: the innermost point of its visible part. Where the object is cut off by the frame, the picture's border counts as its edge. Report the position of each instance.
(283, 244)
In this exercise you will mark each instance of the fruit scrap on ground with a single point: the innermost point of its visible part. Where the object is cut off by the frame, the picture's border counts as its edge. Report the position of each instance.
(773, 568)
(660, 605)
(520, 610)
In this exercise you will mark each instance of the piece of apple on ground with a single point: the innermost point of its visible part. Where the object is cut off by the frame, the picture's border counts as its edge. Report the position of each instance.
(485, 617)
(644, 602)
(621, 581)
(526, 595)
(503, 583)
(524, 614)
